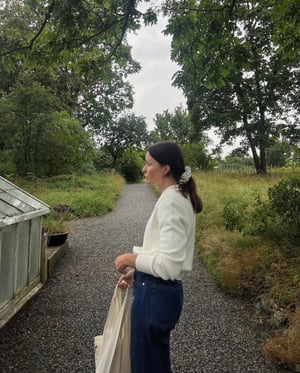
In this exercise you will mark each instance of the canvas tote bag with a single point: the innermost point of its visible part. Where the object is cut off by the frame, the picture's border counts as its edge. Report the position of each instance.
(112, 348)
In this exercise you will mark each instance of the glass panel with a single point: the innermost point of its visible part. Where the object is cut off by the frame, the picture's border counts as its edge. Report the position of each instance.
(4, 184)
(35, 248)
(6, 210)
(29, 200)
(22, 249)
(16, 202)
(7, 245)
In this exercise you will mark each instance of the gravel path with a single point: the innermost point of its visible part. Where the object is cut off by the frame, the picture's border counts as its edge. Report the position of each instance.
(54, 331)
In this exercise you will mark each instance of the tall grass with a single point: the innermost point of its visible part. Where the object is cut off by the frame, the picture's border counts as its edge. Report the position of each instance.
(86, 195)
(247, 266)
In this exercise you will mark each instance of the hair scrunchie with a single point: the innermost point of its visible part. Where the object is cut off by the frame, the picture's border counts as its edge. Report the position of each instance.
(185, 177)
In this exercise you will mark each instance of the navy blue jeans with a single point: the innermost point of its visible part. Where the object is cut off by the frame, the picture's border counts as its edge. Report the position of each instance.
(156, 308)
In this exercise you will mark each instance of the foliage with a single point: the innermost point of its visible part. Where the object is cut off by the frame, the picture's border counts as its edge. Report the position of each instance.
(130, 165)
(77, 50)
(102, 102)
(234, 210)
(242, 264)
(175, 126)
(285, 201)
(7, 165)
(285, 349)
(238, 157)
(24, 111)
(277, 219)
(38, 137)
(126, 131)
(69, 24)
(195, 155)
(103, 160)
(287, 29)
(248, 267)
(71, 147)
(278, 155)
(232, 71)
(55, 222)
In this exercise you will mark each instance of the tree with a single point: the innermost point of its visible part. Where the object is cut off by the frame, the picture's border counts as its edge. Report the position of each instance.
(238, 158)
(24, 112)
(278, 154)
(286, 15)
(76, 54)
(77, 49)
(130, 165)
(62, 28)
(104, 100)
(175, 126)
(195, 155)
(126, 131)
(38, 136)
(64, 147)
(232, 71)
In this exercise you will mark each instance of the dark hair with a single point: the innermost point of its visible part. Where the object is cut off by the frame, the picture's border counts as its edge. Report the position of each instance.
(169, 153)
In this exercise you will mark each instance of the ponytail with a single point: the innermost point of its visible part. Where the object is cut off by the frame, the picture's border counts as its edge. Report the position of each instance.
(189, 189)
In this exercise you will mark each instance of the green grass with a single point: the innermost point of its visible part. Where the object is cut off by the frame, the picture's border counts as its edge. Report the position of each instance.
(250, 267)
(90, 195)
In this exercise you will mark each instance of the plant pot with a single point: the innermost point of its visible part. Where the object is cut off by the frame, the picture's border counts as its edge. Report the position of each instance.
(57, 239)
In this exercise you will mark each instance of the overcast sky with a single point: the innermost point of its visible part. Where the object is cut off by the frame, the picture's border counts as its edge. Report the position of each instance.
(153, 88)
(152, 85)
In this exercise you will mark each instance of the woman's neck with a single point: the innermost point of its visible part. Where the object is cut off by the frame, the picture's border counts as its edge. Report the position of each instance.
(167, 183)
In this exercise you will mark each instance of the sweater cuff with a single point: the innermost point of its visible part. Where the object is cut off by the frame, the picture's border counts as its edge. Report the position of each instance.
(143, 263)
(136, 249)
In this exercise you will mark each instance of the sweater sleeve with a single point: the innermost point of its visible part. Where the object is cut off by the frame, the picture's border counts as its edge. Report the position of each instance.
(173, 219)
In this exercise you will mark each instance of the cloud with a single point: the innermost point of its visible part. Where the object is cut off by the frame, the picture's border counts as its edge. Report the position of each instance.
(153, 88)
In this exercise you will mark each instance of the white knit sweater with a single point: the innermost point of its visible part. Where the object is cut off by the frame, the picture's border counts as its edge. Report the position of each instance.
(169, 237)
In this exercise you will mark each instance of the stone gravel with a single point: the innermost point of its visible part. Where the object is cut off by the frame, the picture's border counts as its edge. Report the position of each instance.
(54, 332)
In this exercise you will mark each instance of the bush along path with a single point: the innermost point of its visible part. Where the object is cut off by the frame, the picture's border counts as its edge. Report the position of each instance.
(54, 332)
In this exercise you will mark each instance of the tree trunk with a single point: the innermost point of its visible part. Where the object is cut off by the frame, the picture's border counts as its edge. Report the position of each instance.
(256, 159)
(263, 163)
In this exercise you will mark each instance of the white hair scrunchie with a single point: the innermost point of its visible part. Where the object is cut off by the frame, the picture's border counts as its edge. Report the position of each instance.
(185, 177)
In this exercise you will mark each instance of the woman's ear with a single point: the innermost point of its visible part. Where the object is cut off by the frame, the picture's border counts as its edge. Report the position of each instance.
(167, 169)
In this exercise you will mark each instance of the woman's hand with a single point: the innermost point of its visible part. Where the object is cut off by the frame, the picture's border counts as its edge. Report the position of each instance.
(126, 280)
(122, 262)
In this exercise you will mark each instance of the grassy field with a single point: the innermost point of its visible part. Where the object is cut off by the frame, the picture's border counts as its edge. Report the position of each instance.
(89, 195)
(250, 267)
(247, 267)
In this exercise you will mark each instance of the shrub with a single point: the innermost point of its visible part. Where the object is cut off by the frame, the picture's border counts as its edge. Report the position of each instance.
(285, 202)
(277, 219)
(195, 155)
(279, 349)
(130, 165)
(103, 160)
(7, 165)
(234, 214)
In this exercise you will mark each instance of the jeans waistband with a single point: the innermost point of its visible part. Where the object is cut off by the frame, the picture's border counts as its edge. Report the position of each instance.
(149, 279)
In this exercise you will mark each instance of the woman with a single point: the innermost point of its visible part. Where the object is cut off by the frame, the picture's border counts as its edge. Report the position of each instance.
(155, 269)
